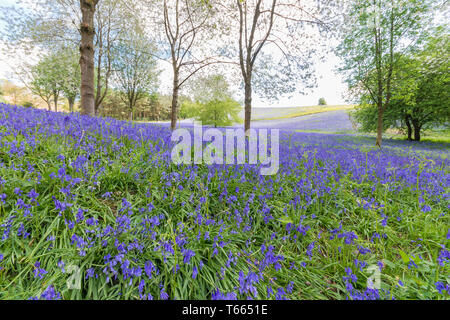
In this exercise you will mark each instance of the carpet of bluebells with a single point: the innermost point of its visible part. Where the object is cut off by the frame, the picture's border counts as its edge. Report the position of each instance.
(93, 208)
(331, 121)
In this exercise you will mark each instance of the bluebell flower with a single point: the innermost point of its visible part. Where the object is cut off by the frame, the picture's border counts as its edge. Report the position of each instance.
(49, 294)
(194, 272)
(39, 272)
(217, 295)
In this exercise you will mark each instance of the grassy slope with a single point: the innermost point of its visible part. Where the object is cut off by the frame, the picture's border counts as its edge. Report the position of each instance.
(292, 112)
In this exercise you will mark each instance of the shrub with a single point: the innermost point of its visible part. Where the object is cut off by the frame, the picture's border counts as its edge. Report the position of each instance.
(189, 109)
(219, 113)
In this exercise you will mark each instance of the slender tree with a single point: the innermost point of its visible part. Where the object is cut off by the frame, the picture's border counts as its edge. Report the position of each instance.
(40, 85)
(49, 76)
(276, 40)
(135, 73)
(185, 28)
(376, 31)
(72, 75)
(113, 20)
(420, 91)
(87, 32)
(37, 26)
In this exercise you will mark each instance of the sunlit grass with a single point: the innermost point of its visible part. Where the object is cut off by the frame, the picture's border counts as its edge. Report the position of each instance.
(304, 111)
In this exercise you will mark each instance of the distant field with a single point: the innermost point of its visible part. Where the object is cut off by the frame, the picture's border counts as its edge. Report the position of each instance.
(330, 121)
(323, 119)
(291, 112)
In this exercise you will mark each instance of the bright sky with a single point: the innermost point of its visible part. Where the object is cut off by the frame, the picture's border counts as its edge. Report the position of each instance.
(329, 84)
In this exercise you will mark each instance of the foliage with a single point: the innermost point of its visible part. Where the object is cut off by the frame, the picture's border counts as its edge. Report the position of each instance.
(212, 102)
(46, 79)
(70, 86)
(420, 93)
(210, 87)
(189, 109)
(375, 34)
(135, 73)
(322, 102)
(219, 113)
(149, 107)
(55, 73)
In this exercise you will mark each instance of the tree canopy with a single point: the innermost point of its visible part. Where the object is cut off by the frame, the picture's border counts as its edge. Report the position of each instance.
(420, 91)
(375, 34)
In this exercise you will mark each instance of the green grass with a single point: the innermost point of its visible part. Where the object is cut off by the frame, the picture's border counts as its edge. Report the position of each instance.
(441, 136)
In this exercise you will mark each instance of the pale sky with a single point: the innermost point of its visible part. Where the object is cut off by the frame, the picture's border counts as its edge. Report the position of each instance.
(329, 84)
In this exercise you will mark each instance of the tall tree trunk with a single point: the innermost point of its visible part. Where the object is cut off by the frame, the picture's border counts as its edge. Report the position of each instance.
(379, 126)
(96, 109)
(409, 128)
(248, 104)
(87, 56)
(389, 76)
(131, 114)
(99, 73)
(379, 93)
(416, 134)
(71, 103)
(174, 111)
(55, 100)
(49, 105)
(417, 128)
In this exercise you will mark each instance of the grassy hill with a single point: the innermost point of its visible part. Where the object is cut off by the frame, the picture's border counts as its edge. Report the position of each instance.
(272, 113)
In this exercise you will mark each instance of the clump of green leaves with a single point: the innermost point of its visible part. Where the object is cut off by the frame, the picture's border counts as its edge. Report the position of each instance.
(212, 103)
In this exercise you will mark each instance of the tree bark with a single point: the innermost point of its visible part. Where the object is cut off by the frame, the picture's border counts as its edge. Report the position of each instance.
(99, 73)
(388, 80)
(100, 96)
(55, 100)
(379, 126)
(174, 109)
(87, 56)
(379, 94)
(248, 105)
(71, 103)
(417, 128)
(409, 128)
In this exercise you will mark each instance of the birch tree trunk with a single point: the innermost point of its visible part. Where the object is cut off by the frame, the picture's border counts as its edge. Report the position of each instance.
(87, 56)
